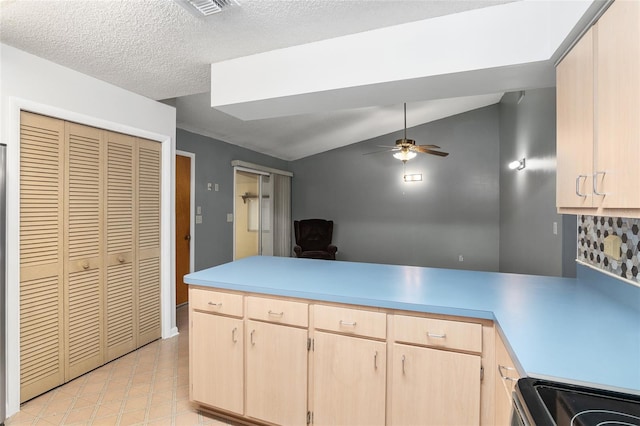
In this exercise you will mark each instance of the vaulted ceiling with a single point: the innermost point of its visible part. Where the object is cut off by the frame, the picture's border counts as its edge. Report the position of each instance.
(157, 49)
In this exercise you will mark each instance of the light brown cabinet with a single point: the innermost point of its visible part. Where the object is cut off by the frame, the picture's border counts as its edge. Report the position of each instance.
(598, 105)
(431, 382)
(303, 362)
(85, 214)
(349, 369)
(216, 349)
(505, 381)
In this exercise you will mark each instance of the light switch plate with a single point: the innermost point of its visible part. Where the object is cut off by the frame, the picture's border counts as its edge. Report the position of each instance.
(199, 210)
(229, 217)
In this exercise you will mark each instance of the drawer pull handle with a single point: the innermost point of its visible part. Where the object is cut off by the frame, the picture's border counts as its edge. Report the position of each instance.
(85, 265)
(505, 376)
(233, 335)
(375, 360)
(276, 314)
(437, 336)
(217, 305)
(348, 324)
(403, 359)
(121, 259)
(251, 338)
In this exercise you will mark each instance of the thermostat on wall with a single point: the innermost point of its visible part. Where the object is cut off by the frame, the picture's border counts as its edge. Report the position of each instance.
(612, 246)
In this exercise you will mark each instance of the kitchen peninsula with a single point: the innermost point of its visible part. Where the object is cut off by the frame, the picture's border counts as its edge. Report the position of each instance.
(568, 329)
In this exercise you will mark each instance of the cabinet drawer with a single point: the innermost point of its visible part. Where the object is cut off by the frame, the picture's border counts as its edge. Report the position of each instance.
(448, 334)
(215, 302)
(278, 311)
(351, 321)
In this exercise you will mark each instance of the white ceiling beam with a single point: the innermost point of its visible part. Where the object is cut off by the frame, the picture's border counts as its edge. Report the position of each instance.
(488, 50)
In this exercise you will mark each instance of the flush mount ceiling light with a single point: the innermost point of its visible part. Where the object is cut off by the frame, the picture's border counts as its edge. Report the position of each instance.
(204, 8)
(517, 164)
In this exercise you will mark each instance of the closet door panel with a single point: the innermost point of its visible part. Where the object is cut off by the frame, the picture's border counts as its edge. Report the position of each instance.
(41, 260)
(119, 242)
(148, 250)
(84, 250)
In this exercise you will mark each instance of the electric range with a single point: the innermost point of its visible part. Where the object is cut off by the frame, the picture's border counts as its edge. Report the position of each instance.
(547, 403)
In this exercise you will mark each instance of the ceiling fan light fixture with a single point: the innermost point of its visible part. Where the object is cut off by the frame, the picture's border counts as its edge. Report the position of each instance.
(404, 155)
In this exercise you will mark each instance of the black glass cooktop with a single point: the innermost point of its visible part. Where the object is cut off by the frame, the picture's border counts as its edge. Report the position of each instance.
(561, 404)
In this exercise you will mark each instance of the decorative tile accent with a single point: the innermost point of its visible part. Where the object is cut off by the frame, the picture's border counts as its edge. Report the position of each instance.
(592, 230)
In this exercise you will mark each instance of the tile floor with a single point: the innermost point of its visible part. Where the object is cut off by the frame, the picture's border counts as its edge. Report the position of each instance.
(146, 387)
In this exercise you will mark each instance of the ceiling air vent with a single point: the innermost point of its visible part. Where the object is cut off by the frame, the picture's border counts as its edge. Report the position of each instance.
(204, 8)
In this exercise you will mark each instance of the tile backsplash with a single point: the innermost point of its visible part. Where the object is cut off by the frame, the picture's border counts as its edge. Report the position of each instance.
(592, 230)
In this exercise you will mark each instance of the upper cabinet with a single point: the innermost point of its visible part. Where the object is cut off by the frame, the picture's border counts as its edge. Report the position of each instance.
(598, 117)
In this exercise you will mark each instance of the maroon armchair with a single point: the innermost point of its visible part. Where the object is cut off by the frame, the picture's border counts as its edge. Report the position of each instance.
(313, 239)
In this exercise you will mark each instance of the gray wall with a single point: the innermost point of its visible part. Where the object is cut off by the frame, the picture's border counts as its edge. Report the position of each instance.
(214, 237)
(379, 218)
(528, 197)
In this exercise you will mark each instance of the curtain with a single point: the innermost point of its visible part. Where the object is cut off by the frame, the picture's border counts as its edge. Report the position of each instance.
(281, 215)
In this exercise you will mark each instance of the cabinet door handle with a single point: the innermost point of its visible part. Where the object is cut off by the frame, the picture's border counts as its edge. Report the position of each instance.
(403, 360)
(251, 338)
(348, 324)
(218, 305)
(121, 259)
(85, 264)
(505, 376)
(233, 335)
(276, 314)
(595, 183)
(578, 186)
(375, 360)
(436, 336)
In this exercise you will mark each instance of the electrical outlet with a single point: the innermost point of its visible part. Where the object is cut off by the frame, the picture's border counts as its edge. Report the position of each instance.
(229, 217)
(198, 219)
(460, 258)
(555, 228)
(209, 187)
(216, 187)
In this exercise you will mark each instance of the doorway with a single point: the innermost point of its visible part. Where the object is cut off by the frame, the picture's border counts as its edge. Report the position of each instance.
(253, 213)
(185, 183)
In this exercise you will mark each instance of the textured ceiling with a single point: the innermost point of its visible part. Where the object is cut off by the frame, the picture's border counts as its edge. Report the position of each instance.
(159, 50)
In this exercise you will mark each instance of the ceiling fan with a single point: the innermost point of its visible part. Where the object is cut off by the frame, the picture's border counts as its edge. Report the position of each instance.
(406, 149)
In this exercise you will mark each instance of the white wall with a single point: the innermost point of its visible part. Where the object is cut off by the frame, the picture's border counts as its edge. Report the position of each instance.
(31, 83)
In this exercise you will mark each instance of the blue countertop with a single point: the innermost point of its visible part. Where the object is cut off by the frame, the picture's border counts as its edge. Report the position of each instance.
(569, 329)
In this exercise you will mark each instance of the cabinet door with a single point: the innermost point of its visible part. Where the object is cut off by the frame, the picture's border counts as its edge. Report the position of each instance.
(618, 105)
(505, 381)
(349, 380)
(434, 387)
(575, 115)
(276, 374)
(216, 355)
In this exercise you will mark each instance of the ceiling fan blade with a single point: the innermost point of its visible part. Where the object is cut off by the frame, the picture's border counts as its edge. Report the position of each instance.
(387, 146)
(429, 146)
(432, 152)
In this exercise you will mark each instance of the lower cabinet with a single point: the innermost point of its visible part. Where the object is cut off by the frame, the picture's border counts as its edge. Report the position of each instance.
(434, 387)
(269, 360)
(349, 380)
(217, 358)
(276, 378)
(505, 381)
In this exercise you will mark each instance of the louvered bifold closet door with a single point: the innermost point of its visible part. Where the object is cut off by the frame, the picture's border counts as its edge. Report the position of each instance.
(41, 260)
(120, 233)
(148, 250)
(83, 250)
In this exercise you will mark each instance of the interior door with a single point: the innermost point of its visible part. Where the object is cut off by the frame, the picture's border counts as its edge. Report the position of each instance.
(183, 226)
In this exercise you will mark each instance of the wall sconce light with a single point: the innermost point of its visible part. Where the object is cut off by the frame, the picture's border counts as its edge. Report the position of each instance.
(517, 164)
(413, 178)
